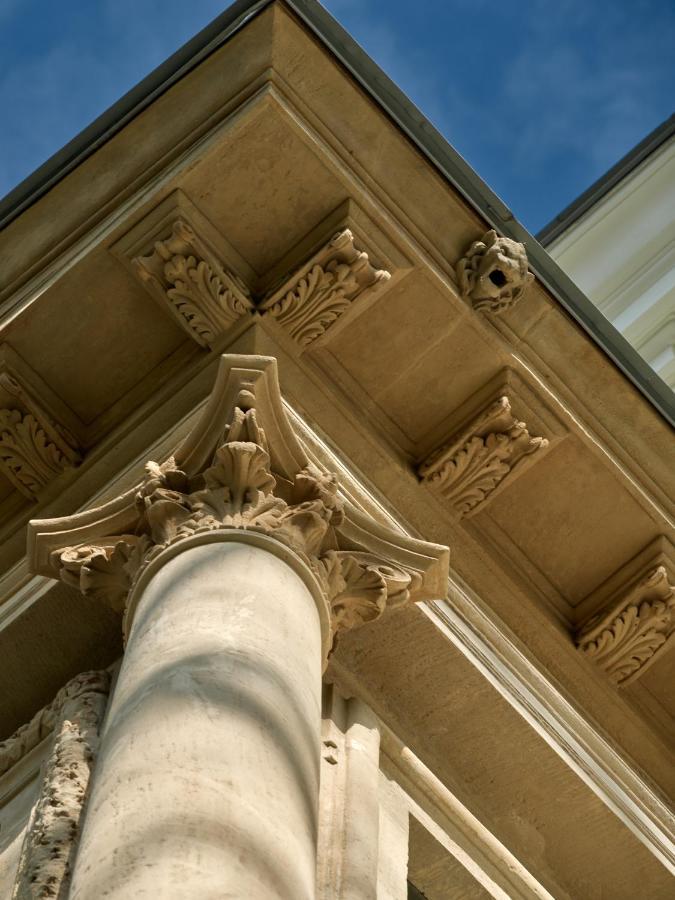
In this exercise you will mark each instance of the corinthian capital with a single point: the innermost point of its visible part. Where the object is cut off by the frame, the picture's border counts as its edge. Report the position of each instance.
(242, 468)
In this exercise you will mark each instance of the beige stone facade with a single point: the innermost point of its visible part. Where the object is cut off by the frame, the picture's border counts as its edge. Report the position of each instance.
(336, 557)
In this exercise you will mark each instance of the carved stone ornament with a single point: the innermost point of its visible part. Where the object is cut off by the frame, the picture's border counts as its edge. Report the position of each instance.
(309, 302)
(74, 717)
(242, 467)
(204, 298)
(33, 449)
(493, 275)
(467, 469)
(630, 636)
(186, 276)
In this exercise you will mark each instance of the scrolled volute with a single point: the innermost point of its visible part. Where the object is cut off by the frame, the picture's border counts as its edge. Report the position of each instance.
(361, 586)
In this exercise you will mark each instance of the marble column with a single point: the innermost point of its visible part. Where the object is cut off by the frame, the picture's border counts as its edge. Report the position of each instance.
(207, 777)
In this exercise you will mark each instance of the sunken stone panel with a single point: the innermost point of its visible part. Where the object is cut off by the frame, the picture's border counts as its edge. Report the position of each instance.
(264, 181)
(116, 336)
(549, 518)
(418, 367)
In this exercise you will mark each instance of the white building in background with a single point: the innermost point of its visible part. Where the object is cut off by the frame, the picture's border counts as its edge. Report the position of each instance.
(617, 242)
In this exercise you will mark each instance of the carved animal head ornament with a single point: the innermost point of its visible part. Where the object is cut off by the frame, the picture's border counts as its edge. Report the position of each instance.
(493, 275)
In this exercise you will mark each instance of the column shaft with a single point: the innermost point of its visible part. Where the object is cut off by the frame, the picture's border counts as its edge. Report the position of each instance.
(207, 780)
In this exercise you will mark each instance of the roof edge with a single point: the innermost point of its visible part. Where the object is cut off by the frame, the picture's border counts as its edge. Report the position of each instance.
(477, 193)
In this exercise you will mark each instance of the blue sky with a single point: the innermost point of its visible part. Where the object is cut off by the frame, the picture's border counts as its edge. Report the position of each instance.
(540, 96)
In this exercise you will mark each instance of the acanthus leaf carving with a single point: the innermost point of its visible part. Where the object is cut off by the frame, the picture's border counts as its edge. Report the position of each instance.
(308, 305)
(315, 302)
(104, 573)
(27, 455)
(361, 586)
(467, 469)
(627, 638)
(189, 279)
(204, 297)
(494, 274)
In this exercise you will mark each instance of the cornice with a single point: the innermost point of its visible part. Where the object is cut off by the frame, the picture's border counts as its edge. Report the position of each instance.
(408, 120)
(596, 436)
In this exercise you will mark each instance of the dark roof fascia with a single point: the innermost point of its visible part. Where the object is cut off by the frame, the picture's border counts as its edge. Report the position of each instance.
(607, 182)
(408, 118)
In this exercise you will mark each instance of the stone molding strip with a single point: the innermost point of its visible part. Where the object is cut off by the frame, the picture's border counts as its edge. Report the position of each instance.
(75, 716)
(51, 838)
